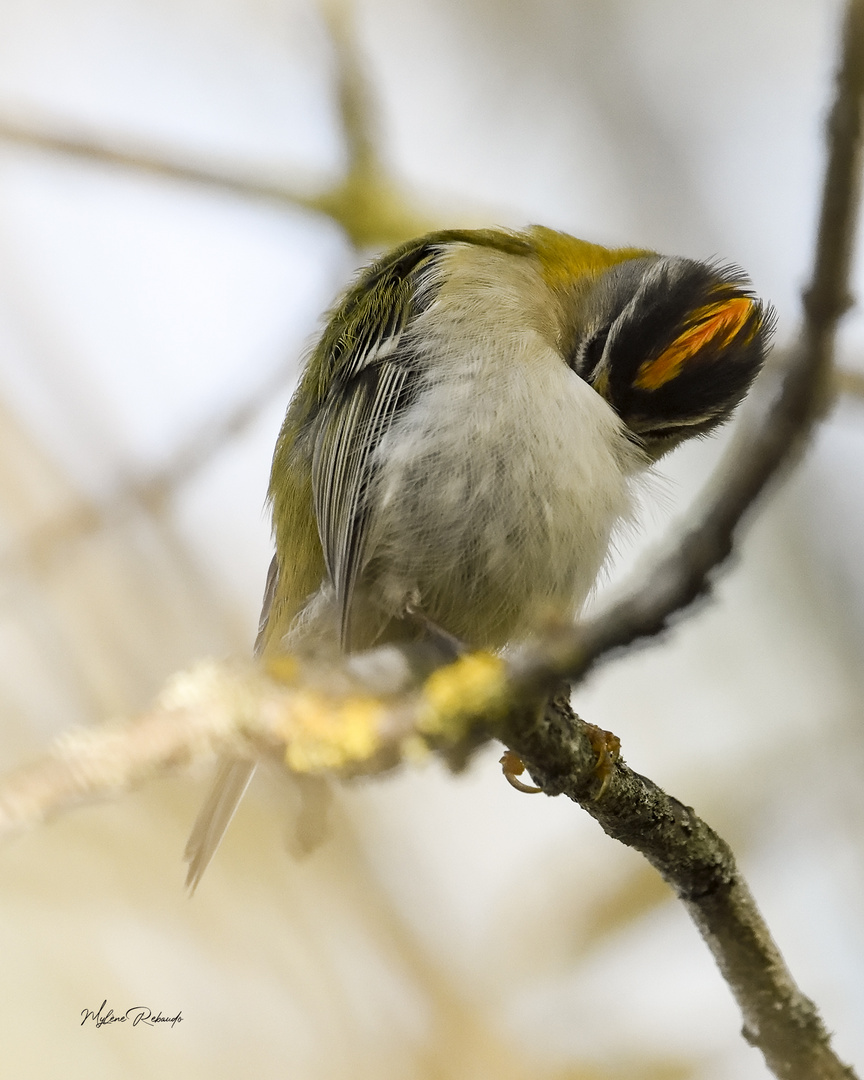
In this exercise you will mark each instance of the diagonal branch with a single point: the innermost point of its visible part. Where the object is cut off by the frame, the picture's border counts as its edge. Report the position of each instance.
(766, 441)
(561, 752)
(63, 138)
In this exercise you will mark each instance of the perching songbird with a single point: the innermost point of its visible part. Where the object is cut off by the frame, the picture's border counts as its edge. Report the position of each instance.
(465, 435)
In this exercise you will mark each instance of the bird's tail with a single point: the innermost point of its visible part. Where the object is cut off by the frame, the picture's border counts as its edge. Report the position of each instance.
(232, 779)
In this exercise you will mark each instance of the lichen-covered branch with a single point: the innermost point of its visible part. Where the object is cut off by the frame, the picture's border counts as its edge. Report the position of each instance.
(369, 716)
(363, 718)
(561, 753)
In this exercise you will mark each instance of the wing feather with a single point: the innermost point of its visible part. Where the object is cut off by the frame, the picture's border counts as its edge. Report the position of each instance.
(352, 427)
(373, 378)
(361, 378)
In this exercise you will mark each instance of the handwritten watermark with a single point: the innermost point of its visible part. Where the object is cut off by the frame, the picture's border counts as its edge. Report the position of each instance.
(138, 1014)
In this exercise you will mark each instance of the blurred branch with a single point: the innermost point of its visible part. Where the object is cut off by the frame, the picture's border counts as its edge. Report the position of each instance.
(363, 718)
(367, 203)
(849, 382)
(93, 148)
(766, 440)
(150, 493)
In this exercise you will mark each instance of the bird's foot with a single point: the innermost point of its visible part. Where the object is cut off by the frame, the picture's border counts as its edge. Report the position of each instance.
(607, 746)
(513, 766)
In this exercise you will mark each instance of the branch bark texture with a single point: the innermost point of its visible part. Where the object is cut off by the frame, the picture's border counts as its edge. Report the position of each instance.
(561, 753)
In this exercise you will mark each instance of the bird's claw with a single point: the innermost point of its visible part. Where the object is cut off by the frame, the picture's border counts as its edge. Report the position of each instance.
(513, 766)
(607, 746)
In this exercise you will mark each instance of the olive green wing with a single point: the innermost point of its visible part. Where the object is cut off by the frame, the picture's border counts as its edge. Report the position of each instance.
(361, 376)
(374, 380)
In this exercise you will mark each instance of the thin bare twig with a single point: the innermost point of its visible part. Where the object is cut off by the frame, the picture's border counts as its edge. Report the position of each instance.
(150, 492)
(62, 137)
(765, 441)
(366, 202)
(778, 1018)
(372, 209)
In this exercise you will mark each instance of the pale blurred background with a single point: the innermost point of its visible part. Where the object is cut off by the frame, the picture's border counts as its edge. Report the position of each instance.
(150, 333)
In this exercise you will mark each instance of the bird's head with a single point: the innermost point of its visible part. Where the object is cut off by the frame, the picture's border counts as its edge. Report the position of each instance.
(671, 343)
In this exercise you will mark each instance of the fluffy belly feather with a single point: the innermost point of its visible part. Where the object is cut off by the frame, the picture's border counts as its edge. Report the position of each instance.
(489, 542)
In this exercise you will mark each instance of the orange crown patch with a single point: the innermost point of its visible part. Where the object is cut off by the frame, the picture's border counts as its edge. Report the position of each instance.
(715, 324)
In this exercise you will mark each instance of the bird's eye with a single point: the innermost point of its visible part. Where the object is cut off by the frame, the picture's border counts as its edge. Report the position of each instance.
(683, 429)
(669, 432)
(592, 352)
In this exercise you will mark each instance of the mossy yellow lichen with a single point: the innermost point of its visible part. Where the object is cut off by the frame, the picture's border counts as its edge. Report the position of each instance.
(324, 734)
(473, 686)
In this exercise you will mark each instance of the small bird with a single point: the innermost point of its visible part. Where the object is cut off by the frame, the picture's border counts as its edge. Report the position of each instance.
(465, 437)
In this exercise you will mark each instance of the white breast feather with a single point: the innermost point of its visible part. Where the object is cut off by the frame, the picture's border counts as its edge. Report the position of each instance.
(507, 461)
